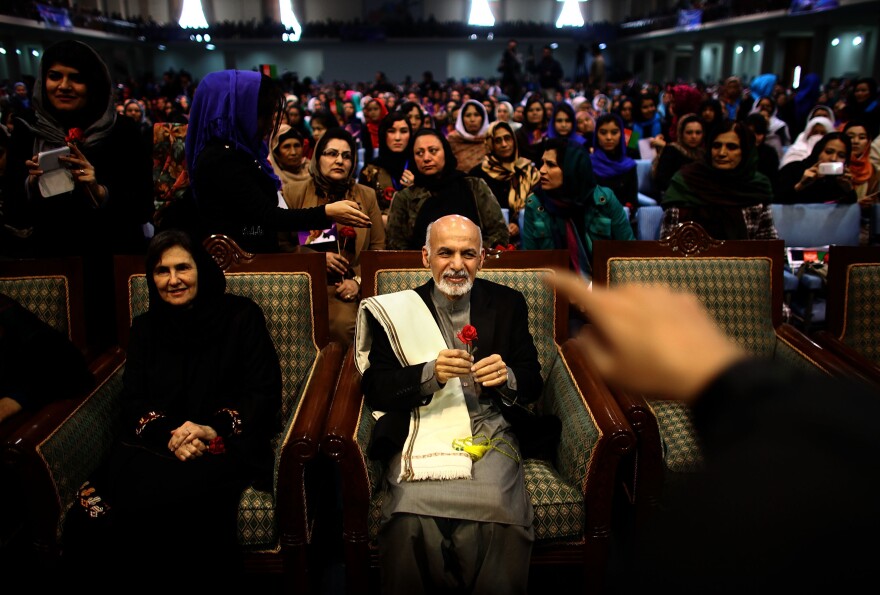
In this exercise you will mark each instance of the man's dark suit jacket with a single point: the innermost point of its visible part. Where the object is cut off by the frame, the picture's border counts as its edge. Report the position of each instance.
(500, 316)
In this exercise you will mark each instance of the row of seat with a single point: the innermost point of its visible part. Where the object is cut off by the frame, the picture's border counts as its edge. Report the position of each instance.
(613, 445)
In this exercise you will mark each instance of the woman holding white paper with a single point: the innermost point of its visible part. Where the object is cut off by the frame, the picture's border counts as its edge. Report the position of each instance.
(98, 197)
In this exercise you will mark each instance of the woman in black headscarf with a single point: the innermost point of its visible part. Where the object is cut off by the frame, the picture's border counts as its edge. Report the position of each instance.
(200, 402)
(440, 189)
(391, 170)
(724, 193)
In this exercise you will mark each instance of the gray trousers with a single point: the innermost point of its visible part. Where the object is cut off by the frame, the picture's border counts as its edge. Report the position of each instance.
(424, 554)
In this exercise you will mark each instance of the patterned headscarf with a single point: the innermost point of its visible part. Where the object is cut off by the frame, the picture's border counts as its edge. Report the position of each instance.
(519, 171)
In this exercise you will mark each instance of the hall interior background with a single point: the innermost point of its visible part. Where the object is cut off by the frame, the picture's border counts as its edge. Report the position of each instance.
(640, 39)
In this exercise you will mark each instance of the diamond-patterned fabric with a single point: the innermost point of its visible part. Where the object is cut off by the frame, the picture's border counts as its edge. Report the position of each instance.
(737, 293)
(286, 302)
(862, 330)
(77, 446)
(556, 494)
(47, 297)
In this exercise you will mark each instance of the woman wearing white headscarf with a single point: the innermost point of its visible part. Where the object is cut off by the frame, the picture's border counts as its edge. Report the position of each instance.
(468, 140)
(504, 113)
(801, 148)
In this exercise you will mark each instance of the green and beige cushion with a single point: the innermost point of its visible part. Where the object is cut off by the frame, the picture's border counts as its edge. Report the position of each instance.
(862, 331)
(46, 296)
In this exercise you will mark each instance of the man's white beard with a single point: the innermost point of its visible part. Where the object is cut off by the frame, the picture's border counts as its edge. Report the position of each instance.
(454, 289)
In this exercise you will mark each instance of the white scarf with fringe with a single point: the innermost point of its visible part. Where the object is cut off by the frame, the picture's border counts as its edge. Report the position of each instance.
(415, 338)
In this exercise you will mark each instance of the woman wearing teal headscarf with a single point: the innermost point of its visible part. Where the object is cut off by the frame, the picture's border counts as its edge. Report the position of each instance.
(724, 193)
(570, 211)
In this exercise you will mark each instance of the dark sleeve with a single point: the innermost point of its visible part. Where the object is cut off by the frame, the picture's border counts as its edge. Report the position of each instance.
(789, 175)
(519, 353)
(127, 174)
(141, 419)
(667, 165)
(258, 404)
(231, 189)
(629, 188)
(387, 385)
(38, 364)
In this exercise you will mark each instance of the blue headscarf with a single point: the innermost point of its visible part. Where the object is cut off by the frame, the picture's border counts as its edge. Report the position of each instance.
(574, 136)
(807, 97)
(605, 165)
(225, 109)
(762, 86)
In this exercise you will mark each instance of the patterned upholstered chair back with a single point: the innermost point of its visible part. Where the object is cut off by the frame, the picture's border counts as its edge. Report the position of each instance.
(861, 329)
(853, 309)
(737, 291)
(51, 289)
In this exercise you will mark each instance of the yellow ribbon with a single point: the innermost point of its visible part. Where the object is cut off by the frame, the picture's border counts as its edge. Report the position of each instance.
(478, 450)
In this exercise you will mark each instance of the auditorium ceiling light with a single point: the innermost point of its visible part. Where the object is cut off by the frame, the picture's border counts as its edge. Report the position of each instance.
(571, 14)
(835, 42)
(481, 15)
(18, 52)
(554, 46)
(192, 16)
(3, 51)
(857, 40)
(602, 46)
(289, 20)
(35, 53)
(210, 47)
(739, 50)
(473, 36)
(756, 48)
(162, 47)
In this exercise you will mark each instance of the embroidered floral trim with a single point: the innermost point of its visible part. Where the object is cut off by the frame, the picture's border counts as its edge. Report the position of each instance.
(236, 420)
(147, 418)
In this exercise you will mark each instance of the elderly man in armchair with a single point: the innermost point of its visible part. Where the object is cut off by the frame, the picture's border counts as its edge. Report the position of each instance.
(448, 363)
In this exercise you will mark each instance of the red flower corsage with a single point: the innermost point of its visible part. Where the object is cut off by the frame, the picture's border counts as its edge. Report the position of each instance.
(74, 136)
(217, 446)
(467, 335)
(389, 193)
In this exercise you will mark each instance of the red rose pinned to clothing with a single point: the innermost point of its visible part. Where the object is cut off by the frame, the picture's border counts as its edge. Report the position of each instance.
(467, 335)
(217, 446)
(74, 136)
(389, 193)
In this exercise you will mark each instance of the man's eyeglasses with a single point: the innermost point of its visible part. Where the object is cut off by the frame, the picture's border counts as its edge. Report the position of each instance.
(333, 154)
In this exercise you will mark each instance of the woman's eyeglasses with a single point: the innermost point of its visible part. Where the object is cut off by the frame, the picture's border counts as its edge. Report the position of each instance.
(333, 154)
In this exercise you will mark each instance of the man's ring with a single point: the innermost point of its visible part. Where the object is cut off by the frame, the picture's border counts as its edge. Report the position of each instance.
(498, 372)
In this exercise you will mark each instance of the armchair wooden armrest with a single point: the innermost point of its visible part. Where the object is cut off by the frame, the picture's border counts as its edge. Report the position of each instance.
(860, 366)
(811, 352)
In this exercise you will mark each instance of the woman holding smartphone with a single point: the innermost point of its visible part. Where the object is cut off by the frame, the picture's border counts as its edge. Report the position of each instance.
(824, 176)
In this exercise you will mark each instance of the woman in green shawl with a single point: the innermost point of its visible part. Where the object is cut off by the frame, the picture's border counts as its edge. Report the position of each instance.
(569, 211)
(725, 193)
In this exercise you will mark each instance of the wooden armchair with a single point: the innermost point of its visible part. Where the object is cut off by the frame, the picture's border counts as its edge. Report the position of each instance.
(572, 500)
(853, 311)
(274, 527)
(740, 283)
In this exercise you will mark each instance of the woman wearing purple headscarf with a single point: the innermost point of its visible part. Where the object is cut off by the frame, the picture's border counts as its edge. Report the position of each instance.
(611, 165)
(233, 114)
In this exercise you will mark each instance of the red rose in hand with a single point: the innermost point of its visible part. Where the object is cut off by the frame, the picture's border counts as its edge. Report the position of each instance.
(74, 135)
(389, 193)
(347, 232)
(216, 446)
(467, 335)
